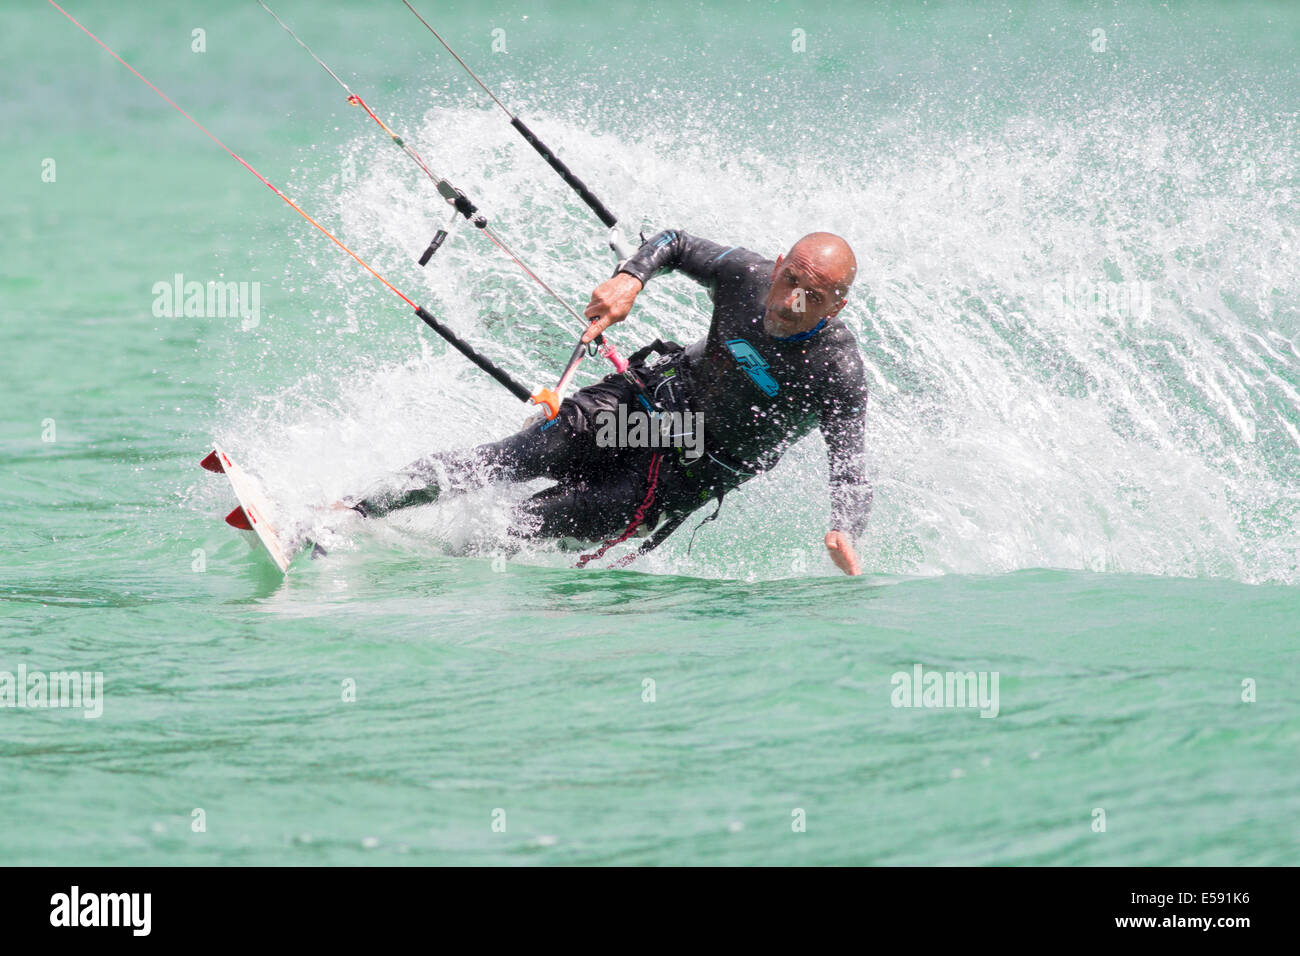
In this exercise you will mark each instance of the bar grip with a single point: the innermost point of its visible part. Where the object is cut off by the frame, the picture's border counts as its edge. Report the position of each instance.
(467, 350)
(576, 184)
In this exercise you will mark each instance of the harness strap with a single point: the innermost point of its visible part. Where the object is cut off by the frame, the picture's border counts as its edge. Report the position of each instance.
(637, 518)
(656, 539)
(664, 349)
(660, 536)
(713, 517)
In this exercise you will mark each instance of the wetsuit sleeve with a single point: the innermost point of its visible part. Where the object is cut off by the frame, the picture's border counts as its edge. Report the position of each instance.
(843, 425)
(673, 249)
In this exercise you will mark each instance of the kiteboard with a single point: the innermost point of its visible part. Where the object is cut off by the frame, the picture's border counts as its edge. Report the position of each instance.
(254, 512)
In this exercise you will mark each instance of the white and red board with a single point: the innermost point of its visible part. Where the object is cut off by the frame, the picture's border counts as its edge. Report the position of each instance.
(254, 512)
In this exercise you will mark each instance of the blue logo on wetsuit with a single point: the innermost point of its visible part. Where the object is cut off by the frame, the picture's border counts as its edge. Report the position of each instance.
(755, 367)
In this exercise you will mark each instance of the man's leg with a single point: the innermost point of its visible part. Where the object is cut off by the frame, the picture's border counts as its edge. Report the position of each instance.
(554, 449)
(581, 510)
(523, 456)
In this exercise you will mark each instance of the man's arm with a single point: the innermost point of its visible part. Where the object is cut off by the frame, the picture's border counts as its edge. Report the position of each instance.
(667, 251)
(674, 250)
(843, 425)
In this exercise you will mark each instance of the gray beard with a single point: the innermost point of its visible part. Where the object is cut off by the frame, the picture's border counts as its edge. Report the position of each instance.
(776, 330)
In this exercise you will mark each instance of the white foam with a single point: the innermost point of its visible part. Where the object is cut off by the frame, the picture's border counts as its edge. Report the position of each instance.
(1003, 432)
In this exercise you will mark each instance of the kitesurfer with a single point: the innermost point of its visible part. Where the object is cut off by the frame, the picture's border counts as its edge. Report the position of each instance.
(776, 362)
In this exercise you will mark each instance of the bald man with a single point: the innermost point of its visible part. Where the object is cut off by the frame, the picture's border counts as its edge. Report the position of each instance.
(637, 453)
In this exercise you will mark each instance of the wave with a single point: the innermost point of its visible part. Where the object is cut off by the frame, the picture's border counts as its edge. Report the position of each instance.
(1079, 327)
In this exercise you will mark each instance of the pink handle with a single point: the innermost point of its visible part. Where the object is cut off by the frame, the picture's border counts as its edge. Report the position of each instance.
(611, 353)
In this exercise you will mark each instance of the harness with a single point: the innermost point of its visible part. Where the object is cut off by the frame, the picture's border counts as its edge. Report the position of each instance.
(667, 395)
(653, 483)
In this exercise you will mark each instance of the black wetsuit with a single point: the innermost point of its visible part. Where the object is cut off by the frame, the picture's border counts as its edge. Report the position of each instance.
(757, 394)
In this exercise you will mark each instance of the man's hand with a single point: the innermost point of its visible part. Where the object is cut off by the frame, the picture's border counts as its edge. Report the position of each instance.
(610, 303)
(841, 551)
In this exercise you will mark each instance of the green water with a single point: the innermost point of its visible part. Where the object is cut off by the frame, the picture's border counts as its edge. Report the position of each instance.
(1099, 509)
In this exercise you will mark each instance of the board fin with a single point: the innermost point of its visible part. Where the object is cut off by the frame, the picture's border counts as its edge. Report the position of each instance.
(254, 513)
(239, 519)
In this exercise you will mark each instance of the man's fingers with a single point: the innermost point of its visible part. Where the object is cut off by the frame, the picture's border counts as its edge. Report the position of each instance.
(844, 561)
(597, 327)
(610, 302)
(842, 553)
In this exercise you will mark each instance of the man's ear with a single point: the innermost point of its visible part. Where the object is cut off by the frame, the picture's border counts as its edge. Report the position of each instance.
(779, 259)
(836, 311)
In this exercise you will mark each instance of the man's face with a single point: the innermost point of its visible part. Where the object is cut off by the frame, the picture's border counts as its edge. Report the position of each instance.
(801, 296)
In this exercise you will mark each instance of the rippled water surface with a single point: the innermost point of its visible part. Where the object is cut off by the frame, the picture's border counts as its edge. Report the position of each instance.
(1078, 306)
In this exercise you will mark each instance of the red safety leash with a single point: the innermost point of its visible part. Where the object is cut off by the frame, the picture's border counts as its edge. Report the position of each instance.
(637, 518)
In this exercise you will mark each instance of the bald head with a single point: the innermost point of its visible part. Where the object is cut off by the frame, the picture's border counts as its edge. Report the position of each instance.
(810, 284)
(828, 255)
